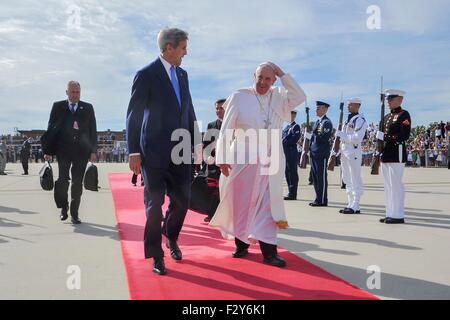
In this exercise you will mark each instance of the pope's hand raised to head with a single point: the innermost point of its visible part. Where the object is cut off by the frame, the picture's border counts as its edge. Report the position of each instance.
(278, 72)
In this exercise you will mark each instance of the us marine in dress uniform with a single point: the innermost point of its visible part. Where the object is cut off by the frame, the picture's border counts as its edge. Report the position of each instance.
(320, 152)
(397, 128)
(291, 135)
(351, 137)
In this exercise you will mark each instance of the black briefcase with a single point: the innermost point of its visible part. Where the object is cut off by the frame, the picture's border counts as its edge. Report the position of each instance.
(46, 177)
(91, 178)
(204, 194)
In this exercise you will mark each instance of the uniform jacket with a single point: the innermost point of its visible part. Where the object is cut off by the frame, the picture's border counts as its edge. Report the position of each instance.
(397, 126)
(320, 140)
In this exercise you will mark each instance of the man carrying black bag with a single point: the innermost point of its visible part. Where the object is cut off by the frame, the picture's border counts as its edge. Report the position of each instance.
(72, 136)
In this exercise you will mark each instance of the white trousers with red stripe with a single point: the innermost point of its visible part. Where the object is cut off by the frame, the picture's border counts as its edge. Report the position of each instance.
(394, 190)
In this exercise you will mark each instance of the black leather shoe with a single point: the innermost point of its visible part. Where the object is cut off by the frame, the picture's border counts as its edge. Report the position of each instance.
(342, 210)
(276, 261)
(350, 211)
(394, 221)
(175, 251)
(75, 220)
(315, 204)
(159, 267)
(64, 214)
(383, 220)
(240, 253)
(289, 198)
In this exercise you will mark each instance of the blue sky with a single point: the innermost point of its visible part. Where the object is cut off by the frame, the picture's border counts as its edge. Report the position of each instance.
(325, 45)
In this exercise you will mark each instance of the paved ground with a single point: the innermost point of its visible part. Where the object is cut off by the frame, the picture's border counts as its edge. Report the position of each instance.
(36, 249)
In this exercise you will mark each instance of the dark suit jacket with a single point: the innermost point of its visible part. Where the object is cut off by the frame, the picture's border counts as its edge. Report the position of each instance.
(61, 135)
(154, 113)
(320, 141)
(210, 138)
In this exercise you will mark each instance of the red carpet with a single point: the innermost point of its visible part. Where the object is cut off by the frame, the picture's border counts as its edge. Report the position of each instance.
(207, 271)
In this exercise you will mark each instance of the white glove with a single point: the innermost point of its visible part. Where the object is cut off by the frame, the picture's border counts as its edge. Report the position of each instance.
(308, 135)
(380, 135)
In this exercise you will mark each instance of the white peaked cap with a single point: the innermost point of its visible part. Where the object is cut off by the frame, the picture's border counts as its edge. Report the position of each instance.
(354, 100)
(394, 92)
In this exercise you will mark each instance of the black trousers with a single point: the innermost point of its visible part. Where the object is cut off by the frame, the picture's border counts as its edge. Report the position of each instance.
(76, 164)
(24, 161)
(291, 172)
(176, 182)
(268, 250)
(320, 179)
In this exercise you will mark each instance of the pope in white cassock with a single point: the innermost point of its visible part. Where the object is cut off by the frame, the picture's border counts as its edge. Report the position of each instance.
(250, 156)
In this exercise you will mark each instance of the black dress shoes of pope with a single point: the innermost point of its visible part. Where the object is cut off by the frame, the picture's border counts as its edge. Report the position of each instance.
(275, 260)
(175, 251)
(240, 253)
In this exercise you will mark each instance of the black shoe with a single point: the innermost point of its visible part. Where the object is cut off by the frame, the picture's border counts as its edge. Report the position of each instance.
(207, 219)
(24, 174)
(394, 221)
(75, 220)
(342, 210)
(64, 215)
(315, 204)
(175, 251)
(159, 267)
(350, 211)
(383, 220)
(289, 198)
(3, 174)
(276, 261)
(240, 253)
(310, 184)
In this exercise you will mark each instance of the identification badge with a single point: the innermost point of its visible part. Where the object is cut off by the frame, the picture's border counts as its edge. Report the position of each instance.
(75, 125)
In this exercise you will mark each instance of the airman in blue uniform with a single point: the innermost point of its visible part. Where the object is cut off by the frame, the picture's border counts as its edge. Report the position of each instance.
(291, 135)
(320, 152)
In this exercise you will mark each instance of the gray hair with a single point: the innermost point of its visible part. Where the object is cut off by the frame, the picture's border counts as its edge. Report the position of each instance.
(73, 83)
(172, 36)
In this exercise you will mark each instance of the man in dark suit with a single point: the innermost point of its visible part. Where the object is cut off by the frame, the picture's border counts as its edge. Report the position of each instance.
(320, 152)
(72, 137)
(25, 153)
(212, 133)
(160, 104)
(291, 135)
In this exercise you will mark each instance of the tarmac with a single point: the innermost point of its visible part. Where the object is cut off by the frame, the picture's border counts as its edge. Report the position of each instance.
(40, 255)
